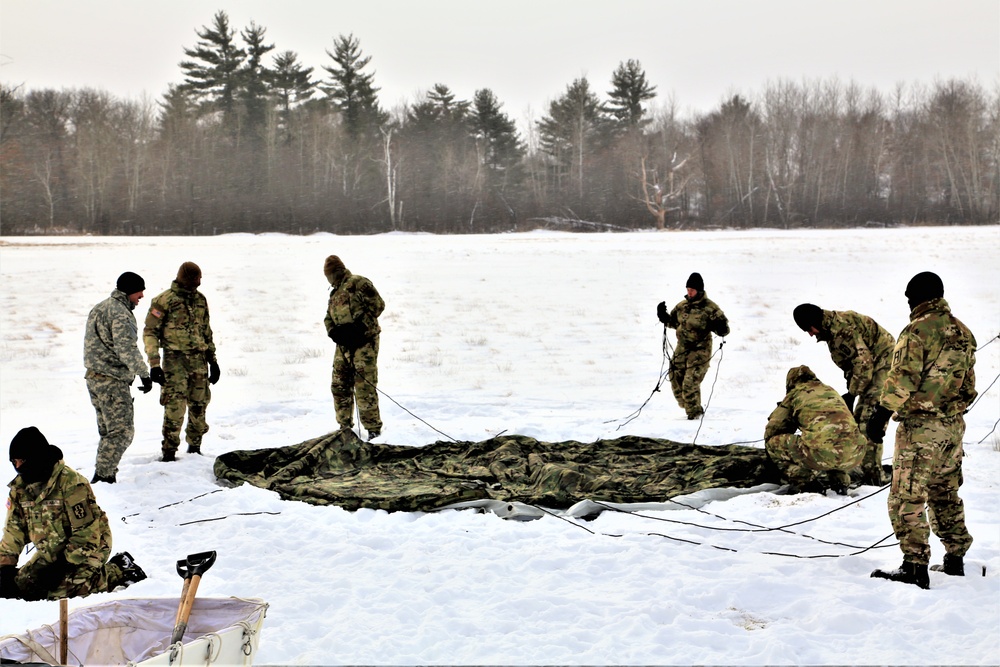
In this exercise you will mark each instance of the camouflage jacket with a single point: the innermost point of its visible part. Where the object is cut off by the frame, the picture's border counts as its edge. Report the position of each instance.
(178, 321)
(695, 320)
(110, 344)
(858, 345)
(813, 408)
(932, 365)
(60, 517)
(353, 311)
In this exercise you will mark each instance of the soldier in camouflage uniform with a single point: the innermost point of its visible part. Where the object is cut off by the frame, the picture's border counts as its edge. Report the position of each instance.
(930, 385)
(695, 318)
(352, 322)
(53, 507)
(178, 322)
(829, 440)
(112, 358)
(863, 350)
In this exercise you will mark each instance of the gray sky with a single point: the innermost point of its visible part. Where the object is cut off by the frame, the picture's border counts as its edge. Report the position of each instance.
(526, 51)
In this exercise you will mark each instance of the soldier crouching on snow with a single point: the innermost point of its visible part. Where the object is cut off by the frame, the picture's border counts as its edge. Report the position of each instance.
(352, 322)
(829, 440)
(53, 507)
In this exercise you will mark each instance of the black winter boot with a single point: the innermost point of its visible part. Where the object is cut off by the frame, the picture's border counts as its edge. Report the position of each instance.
(908, 573)
(97, 478)
(953, 565)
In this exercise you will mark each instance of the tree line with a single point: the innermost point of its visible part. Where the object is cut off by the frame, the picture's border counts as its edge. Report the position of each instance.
(253, 140)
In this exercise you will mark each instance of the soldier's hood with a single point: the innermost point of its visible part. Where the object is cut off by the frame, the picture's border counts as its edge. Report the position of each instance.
(798, 375)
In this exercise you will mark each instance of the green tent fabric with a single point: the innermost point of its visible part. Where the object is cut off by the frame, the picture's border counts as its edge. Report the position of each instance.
(341, 469)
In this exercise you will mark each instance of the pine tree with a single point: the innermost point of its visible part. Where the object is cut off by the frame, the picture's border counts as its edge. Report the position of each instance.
(571, 130)
(255, 83)
(629, 89)
(292, 85)
(214, 73)
(353, 91)
(503, 149)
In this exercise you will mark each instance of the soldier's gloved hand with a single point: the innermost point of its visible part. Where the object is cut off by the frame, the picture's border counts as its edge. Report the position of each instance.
(8, 583)
(849, 399)
(875, 428)
(147, 384)
(661, 312)
(213, 371)
(156, 375)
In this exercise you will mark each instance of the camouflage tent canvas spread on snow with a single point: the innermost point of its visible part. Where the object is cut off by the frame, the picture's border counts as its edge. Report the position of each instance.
(341, 469)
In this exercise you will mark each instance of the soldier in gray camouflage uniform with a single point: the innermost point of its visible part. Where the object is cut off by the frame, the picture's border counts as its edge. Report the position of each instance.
(929, 387)
(352, 322)
(863, 350)
(695, 318)
(53, 507)
(112, 358)
(178, 322)
(829, 440)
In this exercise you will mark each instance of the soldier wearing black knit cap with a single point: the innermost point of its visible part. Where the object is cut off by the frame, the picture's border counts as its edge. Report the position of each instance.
(863, 351)
(695, 318)
(113, 360)
(53, 507)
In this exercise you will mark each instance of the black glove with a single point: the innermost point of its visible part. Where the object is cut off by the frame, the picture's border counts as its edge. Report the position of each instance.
(720, 328)
(875, 428)
(213, 371)
(849, 399)
(661, 312)
(351, 336)
(46, 579)
(147, 384)
(156, 375)
(8, 584)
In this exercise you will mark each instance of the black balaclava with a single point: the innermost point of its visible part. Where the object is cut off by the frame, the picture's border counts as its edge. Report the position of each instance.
(38, 455)
(923, 287)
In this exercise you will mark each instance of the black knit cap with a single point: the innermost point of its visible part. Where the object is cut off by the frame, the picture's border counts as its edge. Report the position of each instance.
(807, 316)
(38, 455)
(924, 287)
(695, 282)
(130, 283)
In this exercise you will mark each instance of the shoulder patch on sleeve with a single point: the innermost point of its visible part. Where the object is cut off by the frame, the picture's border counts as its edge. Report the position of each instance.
(79, 510)
(156, 313)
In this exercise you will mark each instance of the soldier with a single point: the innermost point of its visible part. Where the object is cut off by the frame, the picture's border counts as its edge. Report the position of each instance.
(112, 358)
(863, 350)
(695, 318)
(178, 323)
(352, 322)
(830, 440)
(930, 385)
(53, 507)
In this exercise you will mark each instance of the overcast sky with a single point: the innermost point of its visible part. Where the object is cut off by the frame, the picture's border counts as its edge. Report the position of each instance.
(526, 51)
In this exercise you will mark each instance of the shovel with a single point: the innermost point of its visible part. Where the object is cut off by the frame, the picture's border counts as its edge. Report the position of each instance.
(191, 570)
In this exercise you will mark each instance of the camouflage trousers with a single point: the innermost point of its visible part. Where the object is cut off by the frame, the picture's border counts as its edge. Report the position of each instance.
(355, 376)
(871, 467)
(800, 461)
(112, 399)
(927, 472)
(185, 390)
(687, 370)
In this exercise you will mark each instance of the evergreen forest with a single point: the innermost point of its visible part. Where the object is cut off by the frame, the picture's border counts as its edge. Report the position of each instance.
(251, 139)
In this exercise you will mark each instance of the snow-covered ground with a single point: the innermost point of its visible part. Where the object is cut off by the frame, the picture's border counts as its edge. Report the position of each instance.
(551, 335)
